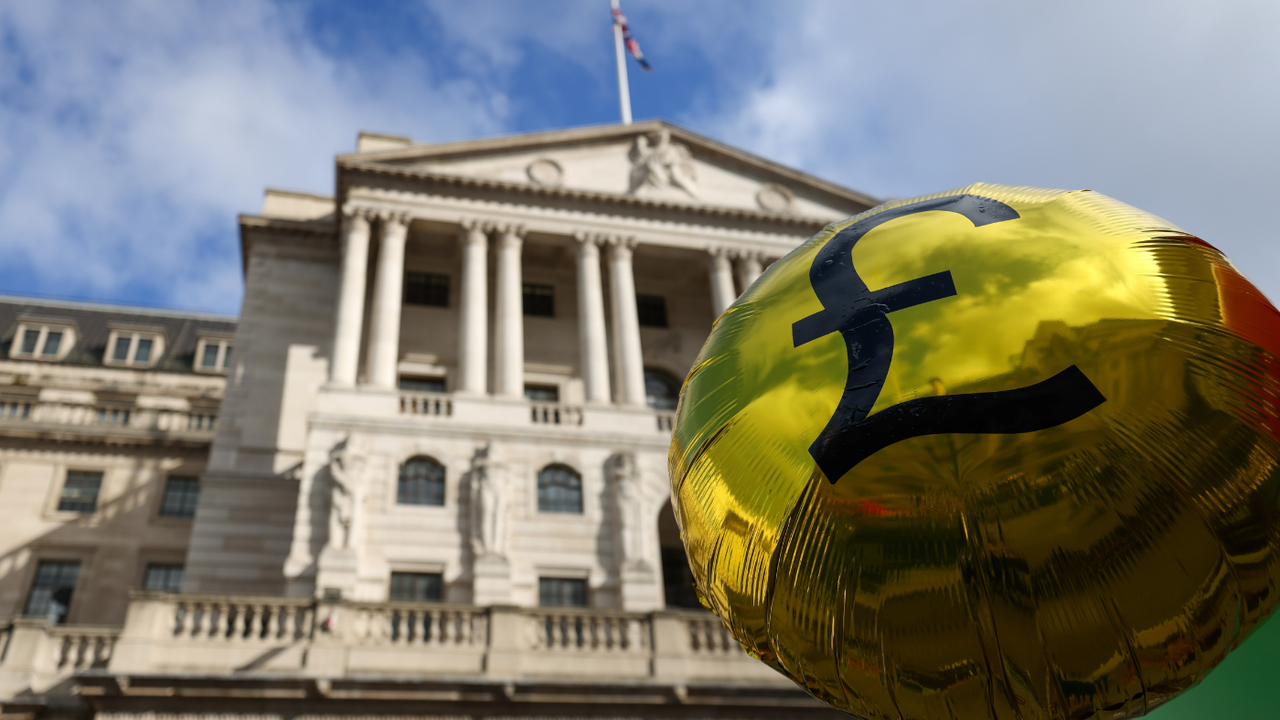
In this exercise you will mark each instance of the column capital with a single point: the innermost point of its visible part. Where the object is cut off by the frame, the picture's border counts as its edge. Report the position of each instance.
(510, 233)
(351, 211)
(474, 231)
(620, 246)
(395, 217)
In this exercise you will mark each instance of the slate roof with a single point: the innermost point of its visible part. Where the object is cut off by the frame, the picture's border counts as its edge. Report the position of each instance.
(93, 326)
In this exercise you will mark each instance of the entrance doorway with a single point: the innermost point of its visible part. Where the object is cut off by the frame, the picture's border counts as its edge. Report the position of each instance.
(677, 578)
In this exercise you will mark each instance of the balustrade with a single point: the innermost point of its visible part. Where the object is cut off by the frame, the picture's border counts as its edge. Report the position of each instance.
(709, 636)
(589, 631)
(556, 414)
(425, 403)
(666, 421)
(224, 619)
(426, 625)
(109, 416)
(82, 648)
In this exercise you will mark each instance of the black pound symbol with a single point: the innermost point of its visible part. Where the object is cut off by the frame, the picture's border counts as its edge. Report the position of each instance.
(861, 317)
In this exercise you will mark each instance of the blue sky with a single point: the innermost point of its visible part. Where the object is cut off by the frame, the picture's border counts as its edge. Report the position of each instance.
(133, 132)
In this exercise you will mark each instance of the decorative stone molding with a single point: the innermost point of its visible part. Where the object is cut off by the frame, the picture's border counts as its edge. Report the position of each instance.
(545, 172)
(775, 198)
(660, 164)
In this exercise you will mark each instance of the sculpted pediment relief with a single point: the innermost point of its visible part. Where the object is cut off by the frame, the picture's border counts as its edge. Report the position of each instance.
(646, 160)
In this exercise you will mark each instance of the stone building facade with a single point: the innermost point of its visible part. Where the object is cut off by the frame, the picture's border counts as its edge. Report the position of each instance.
(437, 484)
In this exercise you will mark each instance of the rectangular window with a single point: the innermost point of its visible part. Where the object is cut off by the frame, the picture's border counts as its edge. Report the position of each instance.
(652, 310)
(80, 492)
(162, 578)
(143, 353)
(121, 353)
(539, 300)
(52, 340)
(180, 497)
(51, 590)
(29, 340)
(562, 592)
(210, 358)
(430, 289)
(226, 358)
(542, 393)
(422, 384)
(416, 587)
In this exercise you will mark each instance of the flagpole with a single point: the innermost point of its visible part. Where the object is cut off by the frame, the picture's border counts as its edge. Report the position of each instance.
(624, 91)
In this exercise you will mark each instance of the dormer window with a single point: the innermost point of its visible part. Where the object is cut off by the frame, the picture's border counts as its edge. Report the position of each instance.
(134, 347)
(38, 340)
(213, 354)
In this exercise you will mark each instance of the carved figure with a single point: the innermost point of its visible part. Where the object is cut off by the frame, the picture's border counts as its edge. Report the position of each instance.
(346, 464)
(488, 514)
(630, 503)
(660, 163)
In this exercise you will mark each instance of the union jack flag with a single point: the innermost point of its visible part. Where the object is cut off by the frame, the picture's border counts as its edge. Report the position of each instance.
(633, 47)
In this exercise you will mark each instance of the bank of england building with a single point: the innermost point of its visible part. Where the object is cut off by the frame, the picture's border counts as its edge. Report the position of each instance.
(423, 473)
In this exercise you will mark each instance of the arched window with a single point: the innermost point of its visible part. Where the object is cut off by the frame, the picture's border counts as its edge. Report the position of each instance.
(421, 482)
(661, 391)
(559, 490)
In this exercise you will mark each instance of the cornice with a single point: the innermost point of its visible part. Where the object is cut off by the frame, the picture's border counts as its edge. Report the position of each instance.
(293, 228)
(708, 213)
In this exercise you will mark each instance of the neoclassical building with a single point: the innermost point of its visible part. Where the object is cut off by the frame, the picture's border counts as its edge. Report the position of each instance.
(437, 482)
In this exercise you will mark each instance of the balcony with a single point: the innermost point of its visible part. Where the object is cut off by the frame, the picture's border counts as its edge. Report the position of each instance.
(488, 412)
(57, 420)
(421, 647)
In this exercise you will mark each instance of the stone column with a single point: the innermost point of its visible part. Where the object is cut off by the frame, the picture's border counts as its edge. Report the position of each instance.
(591, 328)
(626, 323)
(473, 349)
(388, 297)
(722, 292)
(749, 268)
(347, 327)
(509, 339)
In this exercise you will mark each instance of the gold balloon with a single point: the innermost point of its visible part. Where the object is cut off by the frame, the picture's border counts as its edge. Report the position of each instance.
(993, 453)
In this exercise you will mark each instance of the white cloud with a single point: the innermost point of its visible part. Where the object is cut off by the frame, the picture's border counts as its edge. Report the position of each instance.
(132, 134)
(1167, 106)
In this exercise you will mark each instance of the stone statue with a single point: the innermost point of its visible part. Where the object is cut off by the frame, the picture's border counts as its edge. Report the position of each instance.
(488, 511)
(346, 465)
(634, 532)
(660, 164)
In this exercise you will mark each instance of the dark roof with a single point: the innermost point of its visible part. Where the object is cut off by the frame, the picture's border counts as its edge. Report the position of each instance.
(93, 326)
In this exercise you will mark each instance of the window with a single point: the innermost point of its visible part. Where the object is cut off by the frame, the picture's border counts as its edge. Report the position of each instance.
(129, 347)
(651, 310)
(661, 391)
(162, 578)
(180, 497)
(542, 393)
(539, 300)
(416, 587)
(51, 590)
(42, 341)
(562, 592)
(213, 354)
(421, 482)
(430, 289)
(422, 384)
(80, 492)
(559, 490)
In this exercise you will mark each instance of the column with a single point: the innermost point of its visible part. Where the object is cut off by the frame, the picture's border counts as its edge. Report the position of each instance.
(388, 296)
(509, 339)
(591, 329)
(473, 349)
(347, 327)
(722, 292)
(626, 323)
(749, 268)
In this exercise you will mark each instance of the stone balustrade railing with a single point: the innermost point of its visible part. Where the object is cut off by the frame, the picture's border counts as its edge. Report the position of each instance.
(233, 635)
(425, 403)
(555, 414)
(666, 421)
(76, 415)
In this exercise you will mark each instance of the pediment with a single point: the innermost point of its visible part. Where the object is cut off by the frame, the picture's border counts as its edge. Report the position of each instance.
(653, 159)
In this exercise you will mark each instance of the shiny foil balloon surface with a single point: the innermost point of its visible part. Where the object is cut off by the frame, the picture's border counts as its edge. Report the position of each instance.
(994, 453)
